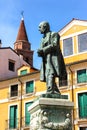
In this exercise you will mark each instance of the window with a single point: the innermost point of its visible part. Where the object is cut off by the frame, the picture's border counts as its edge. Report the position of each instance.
(83, 128)
(27, 114)
(67, 47)
(27, 60)
(63, 81)
(81, 76)
(82, 42)
(14, 90)
(82, 103)
(23, 72)
(29, 87)
(11, 65)
(13, 117)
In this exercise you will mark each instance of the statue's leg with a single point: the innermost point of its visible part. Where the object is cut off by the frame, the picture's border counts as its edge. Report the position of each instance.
(56, 90)
(49, 83)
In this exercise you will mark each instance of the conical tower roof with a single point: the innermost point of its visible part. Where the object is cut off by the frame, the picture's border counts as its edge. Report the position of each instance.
(22, 34)
(22, 46)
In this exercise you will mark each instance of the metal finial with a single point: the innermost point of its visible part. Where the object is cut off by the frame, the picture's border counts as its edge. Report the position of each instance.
(22, 14)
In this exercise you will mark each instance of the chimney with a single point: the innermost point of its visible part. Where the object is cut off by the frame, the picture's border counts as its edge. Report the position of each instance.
(0, 43)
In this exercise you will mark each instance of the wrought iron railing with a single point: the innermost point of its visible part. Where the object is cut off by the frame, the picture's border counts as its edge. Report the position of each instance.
(12, 124)
(26, 121)
(80, 113)
(71, 82)
(63, 83)
(16, 124)
(13, 94)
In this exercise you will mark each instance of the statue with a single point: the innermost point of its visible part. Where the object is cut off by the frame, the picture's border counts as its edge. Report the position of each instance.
(52, 60)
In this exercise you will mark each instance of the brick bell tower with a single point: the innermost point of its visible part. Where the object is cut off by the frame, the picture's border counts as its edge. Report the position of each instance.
(22, 45)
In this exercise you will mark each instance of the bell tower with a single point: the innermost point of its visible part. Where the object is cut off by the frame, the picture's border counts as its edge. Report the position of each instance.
(22, 45)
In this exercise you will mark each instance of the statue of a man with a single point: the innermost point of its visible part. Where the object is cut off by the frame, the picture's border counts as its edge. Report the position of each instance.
(52, 60)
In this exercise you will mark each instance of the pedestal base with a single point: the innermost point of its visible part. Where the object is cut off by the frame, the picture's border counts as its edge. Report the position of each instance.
(51, 114)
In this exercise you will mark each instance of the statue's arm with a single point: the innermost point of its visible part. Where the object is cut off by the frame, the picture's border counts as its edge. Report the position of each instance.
(53, 44)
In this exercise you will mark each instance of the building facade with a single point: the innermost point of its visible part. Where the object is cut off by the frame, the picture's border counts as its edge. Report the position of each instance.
(73, 41)
(16, 95)
(16, 90)
(19, 92)
(12, 59)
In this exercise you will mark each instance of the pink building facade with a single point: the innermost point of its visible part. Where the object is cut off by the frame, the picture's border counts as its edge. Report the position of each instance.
(10, 61)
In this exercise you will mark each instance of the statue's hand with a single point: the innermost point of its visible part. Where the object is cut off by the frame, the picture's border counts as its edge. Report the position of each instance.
(40, 52)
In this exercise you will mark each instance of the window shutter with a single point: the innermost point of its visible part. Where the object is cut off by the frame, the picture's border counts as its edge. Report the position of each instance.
(85, 104)
(29, 87)
(27, 114)
(23, 72)
(82, 105)
(81, 76)
(13, 117)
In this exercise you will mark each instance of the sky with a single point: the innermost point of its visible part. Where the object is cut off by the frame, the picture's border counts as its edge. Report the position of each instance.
(57, 12)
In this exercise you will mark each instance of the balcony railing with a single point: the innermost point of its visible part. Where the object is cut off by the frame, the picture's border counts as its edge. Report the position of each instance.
(80, 113)
(25, 121)
(16, 94)
(63, 83)
(12, 124)
(13, 94)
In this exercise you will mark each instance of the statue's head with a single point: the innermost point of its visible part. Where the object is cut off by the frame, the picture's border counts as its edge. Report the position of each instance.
(44, 27)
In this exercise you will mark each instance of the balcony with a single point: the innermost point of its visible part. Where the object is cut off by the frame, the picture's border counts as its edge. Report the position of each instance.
(13, 94)
(80, 114)
(14, 124)
(25, 122)
(63, 83)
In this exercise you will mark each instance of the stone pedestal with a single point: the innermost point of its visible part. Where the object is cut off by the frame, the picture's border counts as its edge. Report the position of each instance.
(51, 112)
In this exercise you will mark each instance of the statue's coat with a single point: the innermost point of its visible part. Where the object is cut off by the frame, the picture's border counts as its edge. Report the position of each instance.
(52, 59)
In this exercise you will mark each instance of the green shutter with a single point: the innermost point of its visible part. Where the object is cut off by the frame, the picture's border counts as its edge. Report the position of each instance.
(27, 114)
(81, 76)
(29, 87)
(81, 110)
(23, 72)
(13, 117)
(83, 105)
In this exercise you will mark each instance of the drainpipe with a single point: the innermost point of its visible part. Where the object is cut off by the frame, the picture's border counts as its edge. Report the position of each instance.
(72, 93)
(72, 84)
(20, 105)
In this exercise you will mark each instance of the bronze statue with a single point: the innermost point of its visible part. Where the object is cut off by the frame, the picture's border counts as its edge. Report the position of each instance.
(52, 60)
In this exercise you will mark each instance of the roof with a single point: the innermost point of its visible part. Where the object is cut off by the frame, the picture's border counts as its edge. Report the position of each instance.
(28, 66)
(22, 34)
(28, 74)
(76, 62)
(71, 23)
(3, 48)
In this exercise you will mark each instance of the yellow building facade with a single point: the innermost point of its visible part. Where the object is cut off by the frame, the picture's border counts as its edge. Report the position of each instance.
(73, 41)
(18, 93)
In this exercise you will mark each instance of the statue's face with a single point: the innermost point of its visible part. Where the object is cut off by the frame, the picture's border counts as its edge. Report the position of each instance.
(42, 28)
